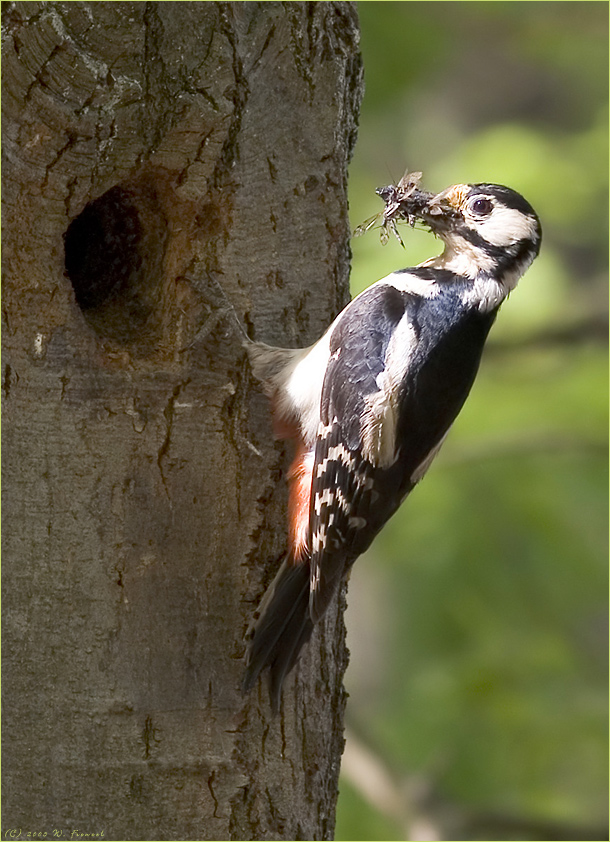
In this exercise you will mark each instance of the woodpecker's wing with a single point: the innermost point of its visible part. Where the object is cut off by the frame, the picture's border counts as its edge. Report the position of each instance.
(356, 441)
(401, 366)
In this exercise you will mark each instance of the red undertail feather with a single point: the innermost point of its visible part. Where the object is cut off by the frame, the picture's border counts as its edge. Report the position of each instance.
(299, 480)
(284, 624)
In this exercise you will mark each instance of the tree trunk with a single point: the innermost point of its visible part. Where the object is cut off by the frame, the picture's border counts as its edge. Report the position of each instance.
(157, 157)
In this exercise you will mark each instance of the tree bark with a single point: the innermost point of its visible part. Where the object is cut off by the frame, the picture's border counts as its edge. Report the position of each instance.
(157, 157)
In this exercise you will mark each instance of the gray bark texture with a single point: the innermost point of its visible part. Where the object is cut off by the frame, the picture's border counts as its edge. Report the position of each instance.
(154, 156)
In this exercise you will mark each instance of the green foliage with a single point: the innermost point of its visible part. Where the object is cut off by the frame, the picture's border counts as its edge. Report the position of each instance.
(360, 821)
(479, 643)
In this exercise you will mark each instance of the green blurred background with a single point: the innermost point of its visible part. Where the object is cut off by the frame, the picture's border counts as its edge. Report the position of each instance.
(478, 621)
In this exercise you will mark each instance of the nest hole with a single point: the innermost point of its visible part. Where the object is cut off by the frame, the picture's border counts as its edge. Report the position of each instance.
(113, 259)
(101, 248)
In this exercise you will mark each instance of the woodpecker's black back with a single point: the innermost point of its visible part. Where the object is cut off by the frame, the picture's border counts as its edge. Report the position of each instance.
(352, 498)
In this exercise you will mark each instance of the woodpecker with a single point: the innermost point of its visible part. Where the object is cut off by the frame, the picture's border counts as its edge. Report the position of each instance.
(369, 405)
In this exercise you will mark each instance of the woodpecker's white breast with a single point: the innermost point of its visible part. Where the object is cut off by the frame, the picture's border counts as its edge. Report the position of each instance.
(303, 390)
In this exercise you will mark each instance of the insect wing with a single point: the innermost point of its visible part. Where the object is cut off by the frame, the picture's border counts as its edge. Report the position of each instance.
(368, 223)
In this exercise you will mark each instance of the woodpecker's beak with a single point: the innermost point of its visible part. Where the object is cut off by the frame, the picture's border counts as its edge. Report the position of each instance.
(445, 208)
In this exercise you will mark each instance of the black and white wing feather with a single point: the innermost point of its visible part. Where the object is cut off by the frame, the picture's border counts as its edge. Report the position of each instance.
(346, 510)
(400, 369)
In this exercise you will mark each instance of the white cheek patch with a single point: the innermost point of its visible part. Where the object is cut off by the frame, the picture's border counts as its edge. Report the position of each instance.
(506, 226)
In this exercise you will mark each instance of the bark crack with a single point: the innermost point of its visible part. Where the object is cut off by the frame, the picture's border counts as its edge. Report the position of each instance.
(149, 737)
(197, 157)
(213, 794)
(64, 380)
(72, 139)
(239, 96)
(168, 414)
(265, 46)
(156, 93)
(11, 378)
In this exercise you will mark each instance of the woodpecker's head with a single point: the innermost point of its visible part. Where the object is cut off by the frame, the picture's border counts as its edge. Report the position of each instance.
(488, 231)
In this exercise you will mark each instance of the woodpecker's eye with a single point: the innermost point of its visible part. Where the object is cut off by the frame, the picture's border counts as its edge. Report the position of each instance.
(481, 207)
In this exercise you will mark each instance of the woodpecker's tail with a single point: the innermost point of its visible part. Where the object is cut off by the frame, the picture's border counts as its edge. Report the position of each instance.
(281, 630)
